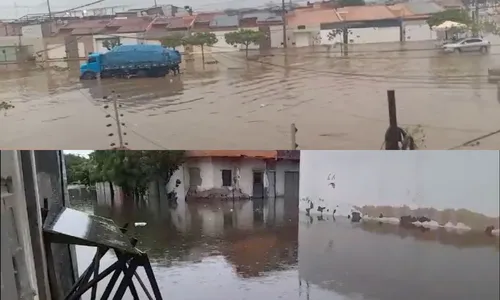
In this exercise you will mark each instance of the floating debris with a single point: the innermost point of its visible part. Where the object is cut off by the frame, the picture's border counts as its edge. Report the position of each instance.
(140, 224)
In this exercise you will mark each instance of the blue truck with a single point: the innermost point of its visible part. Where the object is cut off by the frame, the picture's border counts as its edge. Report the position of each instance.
(131, 60)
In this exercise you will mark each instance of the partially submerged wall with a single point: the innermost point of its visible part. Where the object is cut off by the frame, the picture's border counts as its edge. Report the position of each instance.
(456, 190)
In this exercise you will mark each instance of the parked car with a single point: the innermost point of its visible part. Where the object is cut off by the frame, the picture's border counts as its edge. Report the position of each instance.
(468, 44)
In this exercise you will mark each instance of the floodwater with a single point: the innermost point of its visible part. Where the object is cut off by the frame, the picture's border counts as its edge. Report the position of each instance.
(263, 249)
(336, 102)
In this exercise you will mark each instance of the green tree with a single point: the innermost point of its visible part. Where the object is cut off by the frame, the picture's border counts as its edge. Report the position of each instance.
(244, 37)
(134, 170)
(111, 43)
(202, 39)
(78, 170)
(455, 15)
(173, 41)
(345, 3)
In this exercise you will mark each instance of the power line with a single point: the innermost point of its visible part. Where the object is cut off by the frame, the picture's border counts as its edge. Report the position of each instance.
(468, 143)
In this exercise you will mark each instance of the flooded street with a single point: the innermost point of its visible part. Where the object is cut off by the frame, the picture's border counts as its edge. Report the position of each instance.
(336, 102)
(263, 249)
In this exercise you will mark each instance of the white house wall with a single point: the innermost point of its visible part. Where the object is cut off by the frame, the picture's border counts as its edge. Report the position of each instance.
(221, 45)
(447, 187)
(373, 35)
(326, 41)
(211, 172)
(125, 39)
(418, 31)
(276, 35)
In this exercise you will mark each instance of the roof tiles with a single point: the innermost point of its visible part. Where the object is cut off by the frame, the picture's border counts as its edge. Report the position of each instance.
(312, 17)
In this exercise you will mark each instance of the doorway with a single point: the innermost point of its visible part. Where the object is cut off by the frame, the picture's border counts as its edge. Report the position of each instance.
(258, 185)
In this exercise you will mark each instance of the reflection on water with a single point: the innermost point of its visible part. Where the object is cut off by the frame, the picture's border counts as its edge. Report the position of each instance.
(252, 249)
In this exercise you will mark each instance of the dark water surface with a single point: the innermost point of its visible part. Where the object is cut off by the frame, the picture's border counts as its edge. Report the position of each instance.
(265, 250)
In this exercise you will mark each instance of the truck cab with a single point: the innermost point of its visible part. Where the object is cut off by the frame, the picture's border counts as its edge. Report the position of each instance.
(91, 67)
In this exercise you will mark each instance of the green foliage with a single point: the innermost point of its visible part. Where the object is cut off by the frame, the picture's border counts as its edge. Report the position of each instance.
(202, 39)
(173, 40)
(455, 15)
(130, 170)
(78, 169)
(111, 43)
(344, 3)
(244, 37)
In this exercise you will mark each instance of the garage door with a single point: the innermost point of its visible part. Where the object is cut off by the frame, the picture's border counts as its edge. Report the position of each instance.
(302, 39)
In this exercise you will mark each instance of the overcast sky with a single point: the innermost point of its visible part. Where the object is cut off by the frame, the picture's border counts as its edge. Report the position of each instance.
(8, 8)
(84, 153)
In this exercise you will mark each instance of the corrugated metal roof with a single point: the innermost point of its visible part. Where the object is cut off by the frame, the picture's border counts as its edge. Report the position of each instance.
(225, 21)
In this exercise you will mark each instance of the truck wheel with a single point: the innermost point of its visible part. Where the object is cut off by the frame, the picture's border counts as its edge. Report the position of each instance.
(88, 76)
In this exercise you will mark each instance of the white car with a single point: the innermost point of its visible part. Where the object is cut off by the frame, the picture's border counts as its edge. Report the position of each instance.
(468, 44)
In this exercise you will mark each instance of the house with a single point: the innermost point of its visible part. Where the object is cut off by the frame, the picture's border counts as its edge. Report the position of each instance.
(126, 30)
(370, 24)
(19, 42)
(244, 174)
(310, 26)
(434, 185)
(74, 38)
(414, 17)
(220, 25)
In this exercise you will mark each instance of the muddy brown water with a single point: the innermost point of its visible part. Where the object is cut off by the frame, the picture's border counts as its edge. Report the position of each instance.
(336, 102)
(263, 249)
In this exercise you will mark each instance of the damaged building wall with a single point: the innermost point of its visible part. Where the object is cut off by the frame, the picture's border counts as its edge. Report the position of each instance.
(210, 173)
(458, 189)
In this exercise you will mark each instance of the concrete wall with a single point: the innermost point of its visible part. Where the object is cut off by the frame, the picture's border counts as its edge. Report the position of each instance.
(125, 39)
(418, 30)
(276, 34)
(374, 35)
(16, 235)
(457, 189)
(211, 172)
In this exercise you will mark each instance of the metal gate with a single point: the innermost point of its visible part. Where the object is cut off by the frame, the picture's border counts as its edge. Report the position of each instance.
(291, 185)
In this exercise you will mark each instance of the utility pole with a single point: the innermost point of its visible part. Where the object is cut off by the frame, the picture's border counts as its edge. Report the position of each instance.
(48, 8)
(283, 16)
(156, 4)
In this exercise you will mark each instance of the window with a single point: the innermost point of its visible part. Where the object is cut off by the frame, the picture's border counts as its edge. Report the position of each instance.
(92, 60)
(227, 178)
(301, 27)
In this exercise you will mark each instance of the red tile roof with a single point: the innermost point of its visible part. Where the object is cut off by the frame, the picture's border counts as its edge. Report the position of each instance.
(180, 22)
(312, 16)
(206, 17)
(232, 153)
(131, 24)
(365, 13)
